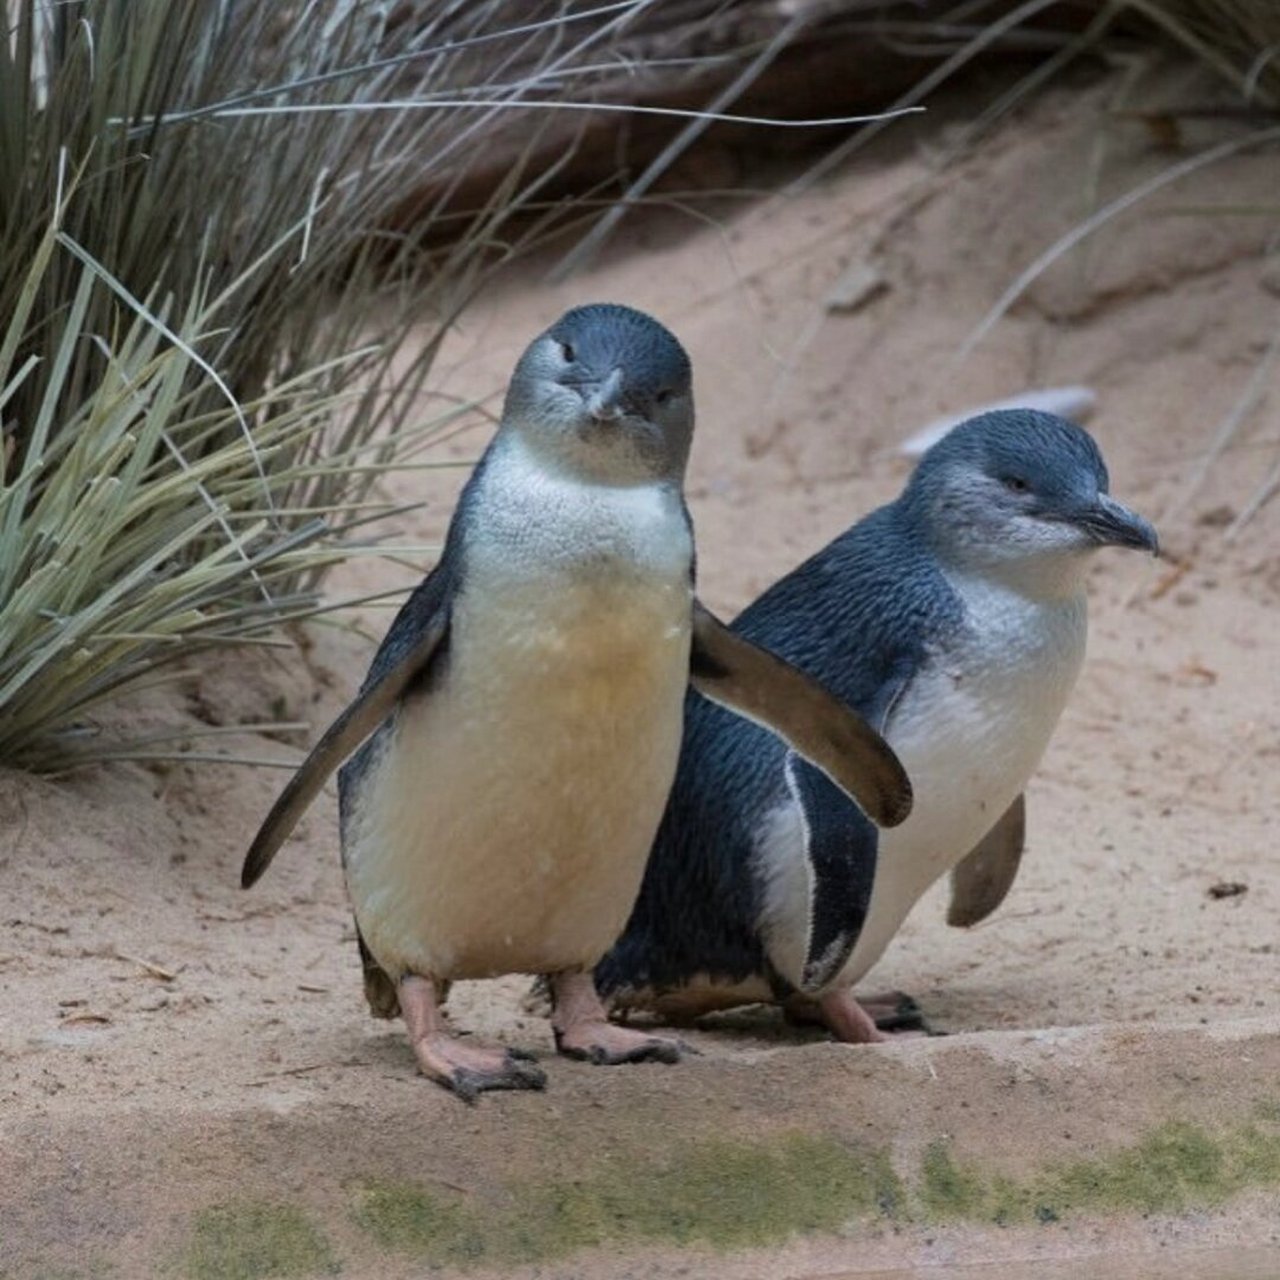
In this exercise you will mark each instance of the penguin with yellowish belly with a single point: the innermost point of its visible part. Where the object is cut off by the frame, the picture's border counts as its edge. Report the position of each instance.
(518, 732)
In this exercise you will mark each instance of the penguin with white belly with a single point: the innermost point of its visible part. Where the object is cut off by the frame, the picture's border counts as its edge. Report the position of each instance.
(518, 732)
(954, 620)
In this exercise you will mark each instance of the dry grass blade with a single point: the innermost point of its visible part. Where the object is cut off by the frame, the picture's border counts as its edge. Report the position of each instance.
(1240, 41)
(1239, 413)
(1113, 209)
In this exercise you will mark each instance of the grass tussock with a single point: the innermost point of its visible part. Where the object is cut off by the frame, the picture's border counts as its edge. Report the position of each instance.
(210, 344)
(1238, 38)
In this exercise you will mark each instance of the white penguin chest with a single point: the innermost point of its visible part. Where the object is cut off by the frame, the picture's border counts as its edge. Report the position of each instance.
(505, 827)
(970, 731)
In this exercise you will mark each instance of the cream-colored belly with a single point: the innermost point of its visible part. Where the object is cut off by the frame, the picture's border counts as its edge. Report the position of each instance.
(505, 826)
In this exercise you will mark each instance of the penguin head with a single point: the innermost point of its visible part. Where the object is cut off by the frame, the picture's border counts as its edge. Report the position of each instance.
(1021, 492)
(607, 393)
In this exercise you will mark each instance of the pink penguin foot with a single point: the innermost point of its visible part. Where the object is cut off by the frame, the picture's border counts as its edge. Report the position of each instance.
(854, 1021)
(583, 1030)
(895, 1011)
(466, 1069)
(850, 1023)
(469, 1070)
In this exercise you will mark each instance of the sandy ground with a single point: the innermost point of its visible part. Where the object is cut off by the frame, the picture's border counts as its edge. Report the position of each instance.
(166, 1033)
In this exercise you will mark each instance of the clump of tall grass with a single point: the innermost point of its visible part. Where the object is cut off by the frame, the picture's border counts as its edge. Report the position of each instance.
(135, 522)
(1240, 39)
(210, 344)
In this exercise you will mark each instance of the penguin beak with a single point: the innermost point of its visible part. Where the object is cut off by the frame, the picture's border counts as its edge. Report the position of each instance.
(1111, 524)
(604, 399)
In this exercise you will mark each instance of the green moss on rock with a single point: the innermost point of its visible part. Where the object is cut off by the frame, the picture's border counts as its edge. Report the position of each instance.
(948, 1190)
(734, 1194)
(1176, 1167)
(254, 1240)
(725, 1194)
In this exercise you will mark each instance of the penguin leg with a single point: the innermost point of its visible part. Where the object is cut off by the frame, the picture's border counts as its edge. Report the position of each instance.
(466, 1069)
(583, 1030)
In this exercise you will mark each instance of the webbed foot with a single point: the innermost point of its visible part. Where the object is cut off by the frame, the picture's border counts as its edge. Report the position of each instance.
(583, 1030)
(466, 1069)
(854, 1021)
(469, 1070)
(895, 1011)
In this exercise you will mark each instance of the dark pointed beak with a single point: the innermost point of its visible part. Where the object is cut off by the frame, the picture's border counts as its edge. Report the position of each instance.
(1111, 524)
(604, 399)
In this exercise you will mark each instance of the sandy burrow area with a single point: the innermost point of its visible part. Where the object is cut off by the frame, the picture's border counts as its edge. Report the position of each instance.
(171, 1045)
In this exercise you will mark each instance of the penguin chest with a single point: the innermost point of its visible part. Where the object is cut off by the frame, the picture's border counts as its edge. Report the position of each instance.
(970, 731)
(504, 824)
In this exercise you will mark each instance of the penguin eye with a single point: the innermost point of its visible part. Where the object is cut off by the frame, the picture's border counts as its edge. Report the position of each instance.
(1015, 484)
(665, 396)
(566, 350)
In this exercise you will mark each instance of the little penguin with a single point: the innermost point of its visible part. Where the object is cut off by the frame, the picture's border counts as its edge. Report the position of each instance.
(953, 620)
(511, 750)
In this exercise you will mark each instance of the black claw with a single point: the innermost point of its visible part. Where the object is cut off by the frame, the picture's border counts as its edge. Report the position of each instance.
(653, 1051)
(665, 1051)
(519, 1074)
(907, 1016)
(522, 1055)
(528, 1076)
(466, 1084)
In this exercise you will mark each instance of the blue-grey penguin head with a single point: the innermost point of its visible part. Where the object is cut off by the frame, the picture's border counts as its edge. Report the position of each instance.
(606, 392)
(1021, 493)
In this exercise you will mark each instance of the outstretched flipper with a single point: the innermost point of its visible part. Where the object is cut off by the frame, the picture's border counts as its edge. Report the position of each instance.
(979, 882)
(392, 674)
(739, 675)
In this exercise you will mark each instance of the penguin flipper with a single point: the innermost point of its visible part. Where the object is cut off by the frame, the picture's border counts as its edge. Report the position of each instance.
(980, 881)
(841, 847)
(372, 706)
(760, 686)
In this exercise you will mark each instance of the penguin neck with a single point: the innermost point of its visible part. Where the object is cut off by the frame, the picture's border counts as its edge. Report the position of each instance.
(1049, 578)
(534, 518)
(604, 460)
